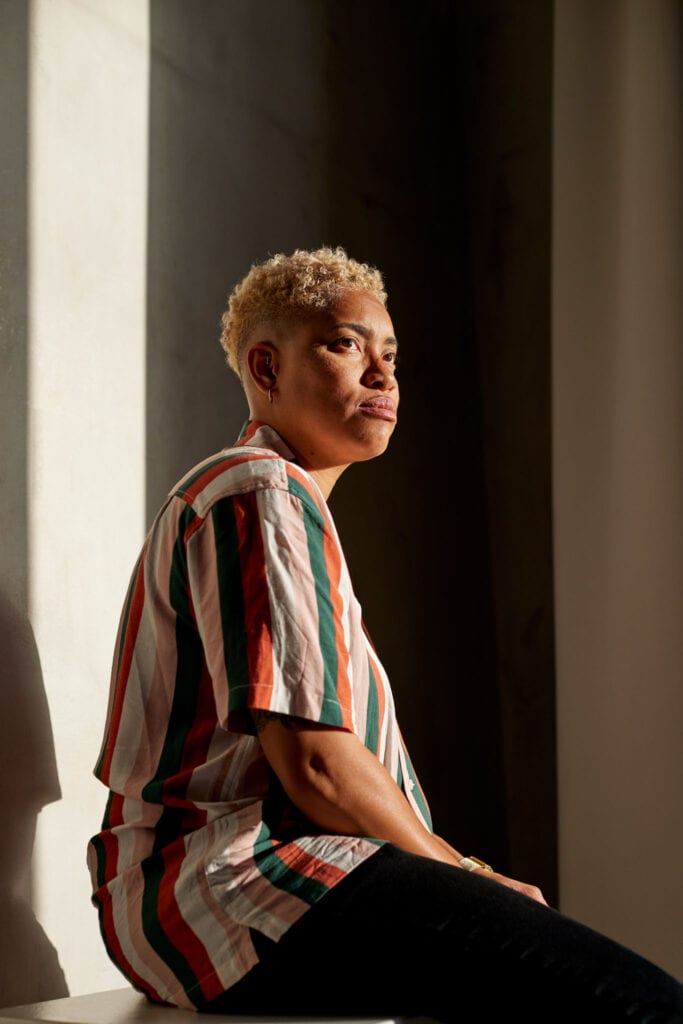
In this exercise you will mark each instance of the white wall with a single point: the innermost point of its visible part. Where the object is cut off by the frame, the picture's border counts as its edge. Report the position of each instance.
(87, 267)
(618, 467)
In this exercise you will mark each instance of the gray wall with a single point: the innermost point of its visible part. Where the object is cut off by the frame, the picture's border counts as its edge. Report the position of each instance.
(618, 466)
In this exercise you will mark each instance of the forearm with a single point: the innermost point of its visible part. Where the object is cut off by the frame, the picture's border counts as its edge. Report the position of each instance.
(369, 804)
(342, 787)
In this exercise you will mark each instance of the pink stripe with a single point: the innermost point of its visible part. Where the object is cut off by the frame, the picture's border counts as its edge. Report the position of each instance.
(132, 883)
(134, 615)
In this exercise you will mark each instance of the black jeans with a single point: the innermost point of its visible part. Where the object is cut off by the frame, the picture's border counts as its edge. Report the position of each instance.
(405, 936)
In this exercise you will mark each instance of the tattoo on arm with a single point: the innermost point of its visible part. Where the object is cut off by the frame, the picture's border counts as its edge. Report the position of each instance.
(262, 718)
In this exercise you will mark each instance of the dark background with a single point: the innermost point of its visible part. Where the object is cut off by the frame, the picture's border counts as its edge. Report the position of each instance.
(419, 138)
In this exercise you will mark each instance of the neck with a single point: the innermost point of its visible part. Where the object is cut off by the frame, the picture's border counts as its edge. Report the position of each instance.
(325, 478)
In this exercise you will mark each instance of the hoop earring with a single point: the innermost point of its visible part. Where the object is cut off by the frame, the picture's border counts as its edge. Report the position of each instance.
(270, 395)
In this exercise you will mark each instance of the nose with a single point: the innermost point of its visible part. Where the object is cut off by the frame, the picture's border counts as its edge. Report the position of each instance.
(380, 376)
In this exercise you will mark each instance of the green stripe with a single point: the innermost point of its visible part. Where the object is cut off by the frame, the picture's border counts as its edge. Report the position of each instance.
(103, 931)
(189, 665)
(416, 791)
(314, 526)
(299, 491)
(372, 714)
(101, 874)
(153, 871)
(231, 598)
(281, 876)
(187, 483)
(168, 827)
(106, 818)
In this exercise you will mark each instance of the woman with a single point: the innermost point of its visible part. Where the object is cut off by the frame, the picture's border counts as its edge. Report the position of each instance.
(266, 845)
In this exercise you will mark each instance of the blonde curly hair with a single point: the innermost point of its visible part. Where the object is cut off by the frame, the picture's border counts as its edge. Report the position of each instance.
(285, 287)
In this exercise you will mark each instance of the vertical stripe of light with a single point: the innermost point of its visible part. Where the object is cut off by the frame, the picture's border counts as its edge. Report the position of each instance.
(88, 110)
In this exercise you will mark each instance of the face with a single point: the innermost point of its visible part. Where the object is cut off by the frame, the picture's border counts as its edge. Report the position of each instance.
(336, 395)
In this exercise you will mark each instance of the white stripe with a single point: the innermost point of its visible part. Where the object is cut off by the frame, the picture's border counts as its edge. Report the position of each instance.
(342, 852)
(245, 894)
(126, 893)
(222, 947)
(149, 687)
(237, 479)
(293, 607)
(351, 624)
(202, 569)
(129, 838)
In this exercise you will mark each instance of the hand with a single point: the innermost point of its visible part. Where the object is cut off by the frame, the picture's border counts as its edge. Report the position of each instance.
(532, 891)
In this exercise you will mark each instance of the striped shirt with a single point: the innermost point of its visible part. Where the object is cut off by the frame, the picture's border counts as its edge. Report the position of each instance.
(240, 599)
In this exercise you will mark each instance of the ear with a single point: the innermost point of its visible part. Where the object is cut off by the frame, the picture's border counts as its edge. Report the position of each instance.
(262, 365)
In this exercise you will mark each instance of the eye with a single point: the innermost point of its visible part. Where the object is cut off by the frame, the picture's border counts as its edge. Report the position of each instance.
(347, 344)
(391, 357)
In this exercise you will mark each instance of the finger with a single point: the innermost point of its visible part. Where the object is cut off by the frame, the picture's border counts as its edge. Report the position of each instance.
(535, 893)
(531, 891)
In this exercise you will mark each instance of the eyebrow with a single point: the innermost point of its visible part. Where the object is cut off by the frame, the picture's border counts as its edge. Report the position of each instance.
(365, 332)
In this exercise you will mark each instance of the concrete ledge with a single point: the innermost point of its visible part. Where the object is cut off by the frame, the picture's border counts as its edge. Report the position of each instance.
(126, 1006)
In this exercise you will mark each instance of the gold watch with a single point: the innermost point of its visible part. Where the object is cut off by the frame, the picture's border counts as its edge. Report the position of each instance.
(473, 863)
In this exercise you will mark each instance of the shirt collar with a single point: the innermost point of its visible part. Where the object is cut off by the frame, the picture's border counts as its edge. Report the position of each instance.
(259, 435)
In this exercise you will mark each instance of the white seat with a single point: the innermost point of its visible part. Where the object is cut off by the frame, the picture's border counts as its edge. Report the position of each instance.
(126, 1006)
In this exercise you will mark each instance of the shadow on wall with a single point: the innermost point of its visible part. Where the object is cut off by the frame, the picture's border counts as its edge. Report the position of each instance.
(29, 965)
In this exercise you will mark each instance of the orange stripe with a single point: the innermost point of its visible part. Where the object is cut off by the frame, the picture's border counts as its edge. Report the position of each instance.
(198, 739)
(191, 492)
(179, 931)
(292, 856)
(304, 480)
(257, 622)
(115, 816)
(343, 683)
(252, 428)
(163, 978)
(381, 696)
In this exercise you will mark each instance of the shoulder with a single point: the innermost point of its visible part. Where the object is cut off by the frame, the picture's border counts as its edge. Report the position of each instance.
(241, 470)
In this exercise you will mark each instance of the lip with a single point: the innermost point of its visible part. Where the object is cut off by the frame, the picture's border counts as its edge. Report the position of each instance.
(382, 408)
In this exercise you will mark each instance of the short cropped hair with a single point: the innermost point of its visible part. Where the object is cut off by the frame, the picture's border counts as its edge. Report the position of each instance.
(286, 287)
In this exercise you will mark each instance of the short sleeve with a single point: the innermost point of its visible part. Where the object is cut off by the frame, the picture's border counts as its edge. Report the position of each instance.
(266, 578)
